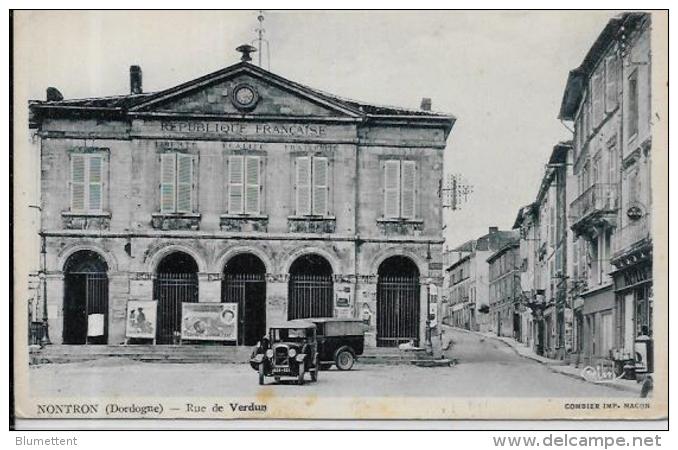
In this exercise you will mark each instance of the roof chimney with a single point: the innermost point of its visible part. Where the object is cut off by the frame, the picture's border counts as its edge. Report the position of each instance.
(494, 229)
(135, 80)
(425, 104)
(53, 95)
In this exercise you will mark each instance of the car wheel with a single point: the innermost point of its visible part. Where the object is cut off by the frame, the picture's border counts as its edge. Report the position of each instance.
(262, 377)
(344, 359)
(300, 378)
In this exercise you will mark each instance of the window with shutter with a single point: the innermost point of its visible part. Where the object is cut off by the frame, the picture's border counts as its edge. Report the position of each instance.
(632, 116)
(611, 76)
(235, 184)
(597, 98)
(95, 180)
(408, 183)
(167, 182)
(303, 186)
(78, 182)
(252, 193)
(391, 189)
(320, 186)
(184, 183)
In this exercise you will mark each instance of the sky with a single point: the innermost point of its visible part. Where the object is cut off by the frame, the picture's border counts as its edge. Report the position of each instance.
(501, 74)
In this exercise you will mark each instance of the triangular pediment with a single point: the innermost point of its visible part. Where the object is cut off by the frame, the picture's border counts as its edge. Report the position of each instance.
(244, 89)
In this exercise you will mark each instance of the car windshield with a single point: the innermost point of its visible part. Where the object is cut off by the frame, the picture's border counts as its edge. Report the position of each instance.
(289, 334)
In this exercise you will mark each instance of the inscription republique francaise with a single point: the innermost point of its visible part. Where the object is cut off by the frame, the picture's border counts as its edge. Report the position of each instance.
(244, 129)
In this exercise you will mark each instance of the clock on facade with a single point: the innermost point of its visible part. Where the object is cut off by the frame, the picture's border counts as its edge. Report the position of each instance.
(244, 97)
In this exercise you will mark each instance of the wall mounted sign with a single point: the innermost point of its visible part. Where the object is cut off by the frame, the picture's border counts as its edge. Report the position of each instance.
(141, 319)
(209, 321)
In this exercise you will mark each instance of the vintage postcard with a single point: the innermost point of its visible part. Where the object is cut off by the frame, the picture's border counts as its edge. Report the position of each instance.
(340, 215)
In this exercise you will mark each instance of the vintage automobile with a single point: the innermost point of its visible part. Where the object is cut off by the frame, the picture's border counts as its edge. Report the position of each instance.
(289, 350)
(340, 341)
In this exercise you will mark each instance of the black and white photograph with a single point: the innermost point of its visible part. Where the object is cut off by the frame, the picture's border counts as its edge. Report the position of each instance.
(278, 214)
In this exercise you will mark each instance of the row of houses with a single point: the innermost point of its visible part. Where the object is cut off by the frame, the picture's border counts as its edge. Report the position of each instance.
(573, 279)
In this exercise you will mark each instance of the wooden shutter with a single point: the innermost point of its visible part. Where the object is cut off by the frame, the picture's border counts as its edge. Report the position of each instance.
(409, 186)
(391, 188)
(597, 106)
(167, 182)
(253, 182)
(320, 186)
(78, 182)
(611, 76)
(303, 186)
(184, 183)
(95, 183)
(235, 184)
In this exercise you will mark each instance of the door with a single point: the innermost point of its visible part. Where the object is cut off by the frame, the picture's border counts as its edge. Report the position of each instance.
(171, 290)
(397, 310)
(85, 303)
(310, 296)
(249, 292)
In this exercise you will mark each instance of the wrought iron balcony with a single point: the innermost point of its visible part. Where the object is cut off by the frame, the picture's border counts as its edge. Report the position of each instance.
(599, 201)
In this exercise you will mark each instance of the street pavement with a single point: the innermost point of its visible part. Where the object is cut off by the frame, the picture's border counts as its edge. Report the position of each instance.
(485, 368)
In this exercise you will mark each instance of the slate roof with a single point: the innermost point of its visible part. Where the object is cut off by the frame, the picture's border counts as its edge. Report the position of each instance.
(488, 242)
(124, 102)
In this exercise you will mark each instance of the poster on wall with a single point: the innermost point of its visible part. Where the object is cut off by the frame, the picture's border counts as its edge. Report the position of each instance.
(141, 319)
(209, 321)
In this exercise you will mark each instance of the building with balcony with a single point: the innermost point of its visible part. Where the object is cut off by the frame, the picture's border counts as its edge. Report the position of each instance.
(468, 287)
(632, 248)
(238, 187)
(607, 97)
(544, 246)
(506, 304)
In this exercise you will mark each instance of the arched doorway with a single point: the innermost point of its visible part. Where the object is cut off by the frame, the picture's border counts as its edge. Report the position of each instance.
(176, 282)
(311, 290)
(85, 299)
(244, 283)
(397, 302)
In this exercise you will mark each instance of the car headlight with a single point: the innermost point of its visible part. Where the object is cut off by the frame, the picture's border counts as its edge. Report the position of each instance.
(292, 353)
(269, 353)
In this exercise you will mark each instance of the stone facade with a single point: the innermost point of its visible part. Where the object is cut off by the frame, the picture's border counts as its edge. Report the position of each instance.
(132, 227)
(608, 100)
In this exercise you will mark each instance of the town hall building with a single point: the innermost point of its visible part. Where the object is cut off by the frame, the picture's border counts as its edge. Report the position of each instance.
(238, 187)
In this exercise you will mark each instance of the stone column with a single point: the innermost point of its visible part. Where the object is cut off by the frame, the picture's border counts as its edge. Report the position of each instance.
(55, 306)
(276, 298)
(118, 293)
(141, 286)
(366, 306)
(209, 287)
